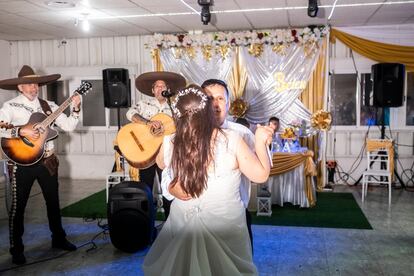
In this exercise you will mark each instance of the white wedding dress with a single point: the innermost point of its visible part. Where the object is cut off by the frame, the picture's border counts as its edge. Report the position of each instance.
(207, 235)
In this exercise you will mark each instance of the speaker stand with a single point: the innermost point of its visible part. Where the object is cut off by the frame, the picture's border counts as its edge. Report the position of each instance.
(122, 159)
(382, 137)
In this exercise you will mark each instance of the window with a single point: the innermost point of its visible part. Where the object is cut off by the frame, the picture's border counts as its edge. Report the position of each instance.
(93, 105)
(409, 119)
(343, 99)
(113, 116)
(58, 92)
(94, 113)
(369, 114)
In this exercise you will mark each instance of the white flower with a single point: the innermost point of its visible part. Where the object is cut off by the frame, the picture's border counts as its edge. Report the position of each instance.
(241, 38)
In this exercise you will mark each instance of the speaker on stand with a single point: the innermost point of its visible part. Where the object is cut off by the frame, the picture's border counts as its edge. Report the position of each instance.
(117, 89)
(387, 91)
(131, 216)
(117, 94)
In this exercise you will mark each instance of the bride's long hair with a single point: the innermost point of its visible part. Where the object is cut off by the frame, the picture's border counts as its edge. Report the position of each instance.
(193, 142)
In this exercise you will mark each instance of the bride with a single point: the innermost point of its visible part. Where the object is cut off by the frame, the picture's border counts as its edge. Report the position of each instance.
(206, 234)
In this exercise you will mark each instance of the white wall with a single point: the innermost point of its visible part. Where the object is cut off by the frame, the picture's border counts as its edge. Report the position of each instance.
(5, 70)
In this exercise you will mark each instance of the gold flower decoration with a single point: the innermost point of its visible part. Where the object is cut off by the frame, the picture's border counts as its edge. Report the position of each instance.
(321, 120)
(279, 49)
(288, 133)
(206, 50)
(223, 50)
(191, 52)
(238, 108)
(256, 49)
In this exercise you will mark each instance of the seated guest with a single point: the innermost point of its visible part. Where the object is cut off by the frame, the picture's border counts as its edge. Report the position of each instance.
(274, 123)
(277, 144)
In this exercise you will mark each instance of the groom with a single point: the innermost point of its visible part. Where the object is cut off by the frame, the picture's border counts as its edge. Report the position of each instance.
(217, 89)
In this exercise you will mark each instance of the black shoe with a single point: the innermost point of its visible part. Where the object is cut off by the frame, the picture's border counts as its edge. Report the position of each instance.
(18, 258)
(64, 245)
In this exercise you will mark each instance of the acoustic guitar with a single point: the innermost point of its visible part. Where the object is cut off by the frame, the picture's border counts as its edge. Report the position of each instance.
(26, 151)
(139, 144)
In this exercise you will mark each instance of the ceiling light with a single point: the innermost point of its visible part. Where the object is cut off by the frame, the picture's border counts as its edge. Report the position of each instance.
(85, 25)
(60, 4)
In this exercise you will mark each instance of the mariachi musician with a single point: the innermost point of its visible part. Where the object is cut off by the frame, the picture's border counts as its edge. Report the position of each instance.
(157, 85)
(17, 112)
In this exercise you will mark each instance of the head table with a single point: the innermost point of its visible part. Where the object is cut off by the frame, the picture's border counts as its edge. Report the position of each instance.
(291, 179)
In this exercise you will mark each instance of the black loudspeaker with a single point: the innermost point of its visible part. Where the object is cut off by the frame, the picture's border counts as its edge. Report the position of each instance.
(388, 84)
(116, 87)
(131, 216)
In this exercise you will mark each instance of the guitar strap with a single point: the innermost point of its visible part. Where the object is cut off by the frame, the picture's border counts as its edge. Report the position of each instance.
(45, 107)
(51, 162)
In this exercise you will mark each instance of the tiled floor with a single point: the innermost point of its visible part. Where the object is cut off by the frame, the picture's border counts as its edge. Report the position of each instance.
(386, 250)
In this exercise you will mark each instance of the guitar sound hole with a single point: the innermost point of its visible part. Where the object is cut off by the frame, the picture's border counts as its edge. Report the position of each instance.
(157, 131)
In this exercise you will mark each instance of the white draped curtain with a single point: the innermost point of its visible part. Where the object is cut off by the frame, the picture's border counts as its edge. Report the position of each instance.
(268, 73)
(274, 80)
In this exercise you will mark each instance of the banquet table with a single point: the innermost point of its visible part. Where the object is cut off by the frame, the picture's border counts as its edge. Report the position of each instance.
(291, 179)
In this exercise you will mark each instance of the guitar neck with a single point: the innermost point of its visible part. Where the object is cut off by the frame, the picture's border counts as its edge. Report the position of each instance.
(49, 120)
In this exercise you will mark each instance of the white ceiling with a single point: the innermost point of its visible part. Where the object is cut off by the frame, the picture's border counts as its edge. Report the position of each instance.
(33, 19)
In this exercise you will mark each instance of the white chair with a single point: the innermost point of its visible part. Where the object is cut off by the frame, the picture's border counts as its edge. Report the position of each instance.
(113, 179)
(378, 170)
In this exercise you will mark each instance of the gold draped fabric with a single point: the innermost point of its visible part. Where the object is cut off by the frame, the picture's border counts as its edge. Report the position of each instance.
(313, 98)
(238, 77)
(378, 144)
(284, 162)
(156, 60)
(118, 167)
(381, 52)
(133, 173)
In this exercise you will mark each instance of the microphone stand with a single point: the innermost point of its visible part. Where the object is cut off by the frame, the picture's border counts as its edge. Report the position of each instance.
(167, 95)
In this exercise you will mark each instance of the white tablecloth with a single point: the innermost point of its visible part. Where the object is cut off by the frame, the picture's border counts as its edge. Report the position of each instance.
(289, 187)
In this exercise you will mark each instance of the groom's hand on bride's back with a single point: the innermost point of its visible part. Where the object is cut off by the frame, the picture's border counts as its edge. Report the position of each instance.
(178, 192)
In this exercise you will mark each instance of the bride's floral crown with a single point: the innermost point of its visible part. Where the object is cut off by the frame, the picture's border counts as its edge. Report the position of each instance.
(187, 91)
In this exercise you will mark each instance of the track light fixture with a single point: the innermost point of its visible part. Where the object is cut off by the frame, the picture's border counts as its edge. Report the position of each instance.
(205, 10)
(313, 8)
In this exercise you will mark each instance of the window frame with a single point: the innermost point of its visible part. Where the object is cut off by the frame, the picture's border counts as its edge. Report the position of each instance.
(75, 82)
(344, 72)
(397, 114)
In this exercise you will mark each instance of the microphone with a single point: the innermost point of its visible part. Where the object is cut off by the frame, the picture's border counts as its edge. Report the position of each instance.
(167, 94)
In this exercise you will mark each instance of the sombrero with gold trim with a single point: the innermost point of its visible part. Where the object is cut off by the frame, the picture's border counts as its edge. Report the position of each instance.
(145, 81)
(26, 76)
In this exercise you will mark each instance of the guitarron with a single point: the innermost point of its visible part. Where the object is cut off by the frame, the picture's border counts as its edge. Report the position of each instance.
(139, 144)
(25, 151)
